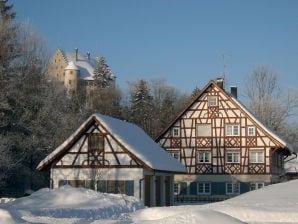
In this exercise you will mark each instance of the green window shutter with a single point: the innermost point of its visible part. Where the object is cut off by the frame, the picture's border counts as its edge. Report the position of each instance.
(62, 183)
(183, 188)
(102, 186)
(193, 188)
(89, 184)
(129, 187)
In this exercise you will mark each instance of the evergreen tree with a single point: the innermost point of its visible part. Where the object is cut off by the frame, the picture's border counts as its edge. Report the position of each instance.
(102, 73)
(141, 106)
(195, 92)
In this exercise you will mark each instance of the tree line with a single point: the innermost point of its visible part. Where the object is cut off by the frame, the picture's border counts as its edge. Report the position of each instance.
(37, 115)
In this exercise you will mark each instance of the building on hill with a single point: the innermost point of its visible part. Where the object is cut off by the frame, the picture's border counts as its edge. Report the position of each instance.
(78, 71)
(225, 148)
(114, 156)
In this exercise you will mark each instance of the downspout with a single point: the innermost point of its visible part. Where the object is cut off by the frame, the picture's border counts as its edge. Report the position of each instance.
(140, 188)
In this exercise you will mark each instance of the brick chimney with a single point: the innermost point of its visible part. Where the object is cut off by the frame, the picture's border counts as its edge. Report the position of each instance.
(76, 51)
(220, 82)
(234, 91)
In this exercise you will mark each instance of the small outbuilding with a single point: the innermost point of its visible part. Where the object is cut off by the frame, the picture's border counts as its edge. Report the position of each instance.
(114, 156)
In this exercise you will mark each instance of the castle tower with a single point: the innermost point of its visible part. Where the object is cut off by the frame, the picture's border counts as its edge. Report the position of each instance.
(72, 73)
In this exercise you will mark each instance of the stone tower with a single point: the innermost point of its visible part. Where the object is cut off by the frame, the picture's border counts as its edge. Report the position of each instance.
(72, 74)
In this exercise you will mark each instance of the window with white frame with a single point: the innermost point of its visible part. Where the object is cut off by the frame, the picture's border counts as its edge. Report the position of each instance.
(176, 188)
(203, 157)
(204, 188)
(232, 130)
(256, 186)
(175, 155)
(232, 157)
(233, 188)
(256, 156)
(176, 132)
(213, 101)
(251, 131)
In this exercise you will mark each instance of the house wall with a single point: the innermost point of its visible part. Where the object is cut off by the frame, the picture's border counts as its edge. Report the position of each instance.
(203, 128)
(123, 174)
(56, 66)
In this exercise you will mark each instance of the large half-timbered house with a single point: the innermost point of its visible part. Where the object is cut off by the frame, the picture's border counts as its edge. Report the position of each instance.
(114, 156)
(226, 149)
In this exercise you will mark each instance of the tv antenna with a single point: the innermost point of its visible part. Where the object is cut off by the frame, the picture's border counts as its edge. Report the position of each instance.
(224, 57)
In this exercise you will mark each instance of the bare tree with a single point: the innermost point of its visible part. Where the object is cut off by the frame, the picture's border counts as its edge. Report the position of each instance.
(266, 100)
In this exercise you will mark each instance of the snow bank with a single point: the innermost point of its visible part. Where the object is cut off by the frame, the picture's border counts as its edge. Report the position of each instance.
(273, 204)
(71, 203)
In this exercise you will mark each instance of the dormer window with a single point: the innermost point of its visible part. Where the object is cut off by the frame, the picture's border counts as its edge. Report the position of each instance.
(213, 101)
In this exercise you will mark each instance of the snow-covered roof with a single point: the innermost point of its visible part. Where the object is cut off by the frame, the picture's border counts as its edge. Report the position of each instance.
(85, 65)
(71, 66)
(133, 138)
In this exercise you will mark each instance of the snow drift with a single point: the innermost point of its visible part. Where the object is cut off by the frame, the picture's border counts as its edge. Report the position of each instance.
(273, 204)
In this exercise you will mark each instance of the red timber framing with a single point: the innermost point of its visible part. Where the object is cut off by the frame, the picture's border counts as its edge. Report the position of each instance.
(95, 158)
(217, 135)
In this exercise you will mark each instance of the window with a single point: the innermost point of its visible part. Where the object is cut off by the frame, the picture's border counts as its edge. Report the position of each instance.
(256, 186)
(180, 188)
(69, 82)
(115, 186)
(233, 157)
(204, 188)
(212, 101)
(232, 188)
(176, 155)
(256, 157)
(176, 132)
(95, 142)
(203, 157)
(176, 188)
(232, 130)
(251, 131)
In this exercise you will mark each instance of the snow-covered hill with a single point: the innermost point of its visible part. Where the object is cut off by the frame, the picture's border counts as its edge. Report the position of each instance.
(273, 204)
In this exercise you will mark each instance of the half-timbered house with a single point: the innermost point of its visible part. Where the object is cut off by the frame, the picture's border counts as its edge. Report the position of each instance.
(114, 156)
(226, 149)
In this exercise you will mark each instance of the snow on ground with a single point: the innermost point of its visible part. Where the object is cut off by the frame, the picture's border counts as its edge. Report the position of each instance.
(273, 204)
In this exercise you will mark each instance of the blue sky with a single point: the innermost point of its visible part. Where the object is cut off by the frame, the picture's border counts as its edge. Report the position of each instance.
(181, 41)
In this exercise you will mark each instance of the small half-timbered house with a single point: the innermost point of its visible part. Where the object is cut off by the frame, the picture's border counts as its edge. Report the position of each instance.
(225, 148)
(114, 156)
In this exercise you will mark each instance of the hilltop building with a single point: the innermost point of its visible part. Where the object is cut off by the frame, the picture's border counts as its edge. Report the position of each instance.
(77, 71)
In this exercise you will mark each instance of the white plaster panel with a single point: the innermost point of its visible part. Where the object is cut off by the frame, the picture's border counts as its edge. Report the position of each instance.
(80, 159)
(187, 122)
(68, 159)
(124, 159)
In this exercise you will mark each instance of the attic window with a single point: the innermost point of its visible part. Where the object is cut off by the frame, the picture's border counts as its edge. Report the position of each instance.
(176, 132)
(212, 101)
(95, 142)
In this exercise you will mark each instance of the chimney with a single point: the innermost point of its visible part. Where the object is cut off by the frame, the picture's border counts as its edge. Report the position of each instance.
(76, 53)
(234, 91)
(220, 82)
(88, 55)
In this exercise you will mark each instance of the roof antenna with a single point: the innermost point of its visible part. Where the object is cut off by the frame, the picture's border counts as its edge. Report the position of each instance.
(224, 56)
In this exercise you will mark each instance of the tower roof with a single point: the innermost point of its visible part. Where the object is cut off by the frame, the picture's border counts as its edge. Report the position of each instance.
(71, 66)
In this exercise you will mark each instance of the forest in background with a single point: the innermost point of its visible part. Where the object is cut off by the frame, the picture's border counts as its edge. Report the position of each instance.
(37, 115)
